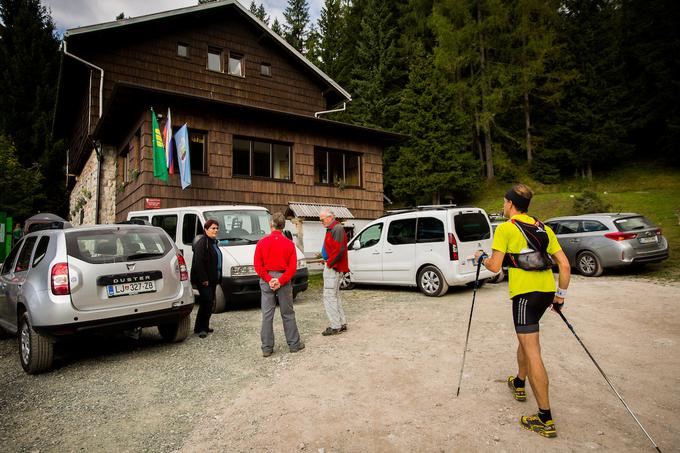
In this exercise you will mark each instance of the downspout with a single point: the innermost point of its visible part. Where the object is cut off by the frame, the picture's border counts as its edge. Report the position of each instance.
(344, 106)
(98, 151)
(101, 77)
(97, 145)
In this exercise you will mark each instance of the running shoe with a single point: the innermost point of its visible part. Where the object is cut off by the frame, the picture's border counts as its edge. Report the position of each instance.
(519, 392)
(534, 423)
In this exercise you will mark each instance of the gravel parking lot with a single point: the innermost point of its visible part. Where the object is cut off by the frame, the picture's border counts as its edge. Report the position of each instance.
(388, 384)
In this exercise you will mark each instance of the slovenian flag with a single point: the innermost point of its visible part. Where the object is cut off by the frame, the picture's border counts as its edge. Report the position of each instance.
(167, 135)
(182, 142)
(160, 165)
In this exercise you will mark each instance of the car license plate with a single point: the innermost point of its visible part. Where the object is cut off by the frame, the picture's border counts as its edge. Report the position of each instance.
(649, 240)
(128, 289)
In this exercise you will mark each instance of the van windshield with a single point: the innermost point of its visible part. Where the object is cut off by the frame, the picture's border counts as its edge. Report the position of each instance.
(239, 227)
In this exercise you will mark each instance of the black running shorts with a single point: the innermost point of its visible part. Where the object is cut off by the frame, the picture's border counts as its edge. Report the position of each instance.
(528, 308)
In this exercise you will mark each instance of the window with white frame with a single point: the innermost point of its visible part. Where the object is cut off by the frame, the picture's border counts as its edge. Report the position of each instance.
(182, 49)
(236, 64)
(214, 59)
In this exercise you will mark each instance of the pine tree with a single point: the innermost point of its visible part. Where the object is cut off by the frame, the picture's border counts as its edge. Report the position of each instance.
(277, 28)
(650, 49)
(376, 74)
(28, 76)
(259, 12)
(593, 119)
(30, 63)
(471, 36)
(331, 25)
(297, 20)
(435, 165)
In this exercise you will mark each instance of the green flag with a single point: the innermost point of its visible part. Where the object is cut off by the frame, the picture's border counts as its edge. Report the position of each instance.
(160, 164)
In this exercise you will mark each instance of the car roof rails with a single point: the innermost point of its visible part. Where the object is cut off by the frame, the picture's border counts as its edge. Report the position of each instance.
(425, 207)
(55, 225)
(134, 222)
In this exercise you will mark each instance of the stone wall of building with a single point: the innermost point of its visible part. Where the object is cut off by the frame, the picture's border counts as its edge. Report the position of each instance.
(83, 198)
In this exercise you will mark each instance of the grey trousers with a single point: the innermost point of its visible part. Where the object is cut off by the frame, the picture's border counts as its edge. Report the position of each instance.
(331, 298)
(268, 301)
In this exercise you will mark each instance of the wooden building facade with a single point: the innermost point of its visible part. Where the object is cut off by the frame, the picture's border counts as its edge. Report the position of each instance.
(248, 98)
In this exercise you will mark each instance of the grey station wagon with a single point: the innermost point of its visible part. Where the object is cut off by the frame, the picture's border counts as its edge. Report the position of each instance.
(57, 282)
(593, 242)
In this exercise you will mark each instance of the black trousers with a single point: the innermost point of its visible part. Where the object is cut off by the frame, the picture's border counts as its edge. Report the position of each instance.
(206, 300)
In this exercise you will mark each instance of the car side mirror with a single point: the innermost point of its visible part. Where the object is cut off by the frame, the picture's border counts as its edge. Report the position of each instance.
(356, 245)
(288, 234)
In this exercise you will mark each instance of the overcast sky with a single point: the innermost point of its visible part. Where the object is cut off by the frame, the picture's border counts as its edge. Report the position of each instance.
(78, 13)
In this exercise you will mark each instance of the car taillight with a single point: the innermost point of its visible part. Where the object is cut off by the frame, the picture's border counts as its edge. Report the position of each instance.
(658, 232)
(453, 248)
(620, 236)
(183, 274)
(60, 284)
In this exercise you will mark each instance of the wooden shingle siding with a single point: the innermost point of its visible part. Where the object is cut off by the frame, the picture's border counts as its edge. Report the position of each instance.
(138, 57)
(219, 186)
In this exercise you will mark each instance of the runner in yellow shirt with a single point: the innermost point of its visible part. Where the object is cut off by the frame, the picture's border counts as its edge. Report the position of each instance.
(532, 292)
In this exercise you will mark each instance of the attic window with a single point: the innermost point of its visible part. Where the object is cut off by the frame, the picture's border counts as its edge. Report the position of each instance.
(236, 64)
(266, 69)
(182, 49)
(214, 59)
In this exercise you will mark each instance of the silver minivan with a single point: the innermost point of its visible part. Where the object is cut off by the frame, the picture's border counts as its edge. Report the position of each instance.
(58, 282)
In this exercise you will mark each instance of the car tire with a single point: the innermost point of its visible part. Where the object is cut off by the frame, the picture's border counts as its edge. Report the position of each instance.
(431, 282)
(588, 264)
(345, 282)
(175, 332)
(36, 351)
(220, 305)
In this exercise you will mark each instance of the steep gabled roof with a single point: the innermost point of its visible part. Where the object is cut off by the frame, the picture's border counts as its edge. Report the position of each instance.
(121, 24)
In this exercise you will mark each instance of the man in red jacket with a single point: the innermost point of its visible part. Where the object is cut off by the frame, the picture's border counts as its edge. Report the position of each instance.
(335, 247)
(275, 262)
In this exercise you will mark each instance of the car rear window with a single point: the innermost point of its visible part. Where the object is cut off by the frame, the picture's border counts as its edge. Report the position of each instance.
(633, 223)
(117, 244)
(472, 226)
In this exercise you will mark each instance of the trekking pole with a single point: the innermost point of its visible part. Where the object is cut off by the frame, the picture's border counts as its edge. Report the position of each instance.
(467, 335)
(559, 312)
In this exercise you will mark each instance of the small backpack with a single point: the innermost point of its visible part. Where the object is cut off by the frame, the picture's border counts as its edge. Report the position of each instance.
(536, 258)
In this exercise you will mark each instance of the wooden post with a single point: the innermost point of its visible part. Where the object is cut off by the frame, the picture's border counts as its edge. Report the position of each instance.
(299, 232)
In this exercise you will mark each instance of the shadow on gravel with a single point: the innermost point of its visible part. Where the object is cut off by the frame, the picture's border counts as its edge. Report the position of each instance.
(87, 346)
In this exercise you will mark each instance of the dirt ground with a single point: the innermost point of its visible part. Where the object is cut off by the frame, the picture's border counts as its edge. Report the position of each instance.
(389, 383)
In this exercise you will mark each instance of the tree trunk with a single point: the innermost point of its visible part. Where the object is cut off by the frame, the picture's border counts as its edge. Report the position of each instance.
(589, 171)
(527, 127)
(436, 198)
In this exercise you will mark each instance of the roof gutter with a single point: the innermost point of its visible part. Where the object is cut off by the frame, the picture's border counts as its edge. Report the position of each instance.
(342, 109)
(101, 78)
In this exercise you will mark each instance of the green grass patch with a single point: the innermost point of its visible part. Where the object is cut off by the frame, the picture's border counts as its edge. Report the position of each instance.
(646, 189)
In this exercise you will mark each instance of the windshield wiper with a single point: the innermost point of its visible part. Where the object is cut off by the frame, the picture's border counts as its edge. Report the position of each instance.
(249, 241)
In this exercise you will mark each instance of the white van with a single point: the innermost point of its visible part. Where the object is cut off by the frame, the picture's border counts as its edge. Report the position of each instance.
(241, 227)
(431, 247)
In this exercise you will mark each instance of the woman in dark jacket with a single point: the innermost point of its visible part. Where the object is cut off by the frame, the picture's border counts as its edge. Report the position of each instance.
(206, 273)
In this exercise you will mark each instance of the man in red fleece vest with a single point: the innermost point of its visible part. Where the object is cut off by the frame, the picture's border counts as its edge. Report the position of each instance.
(335, 246)
(275, 262)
